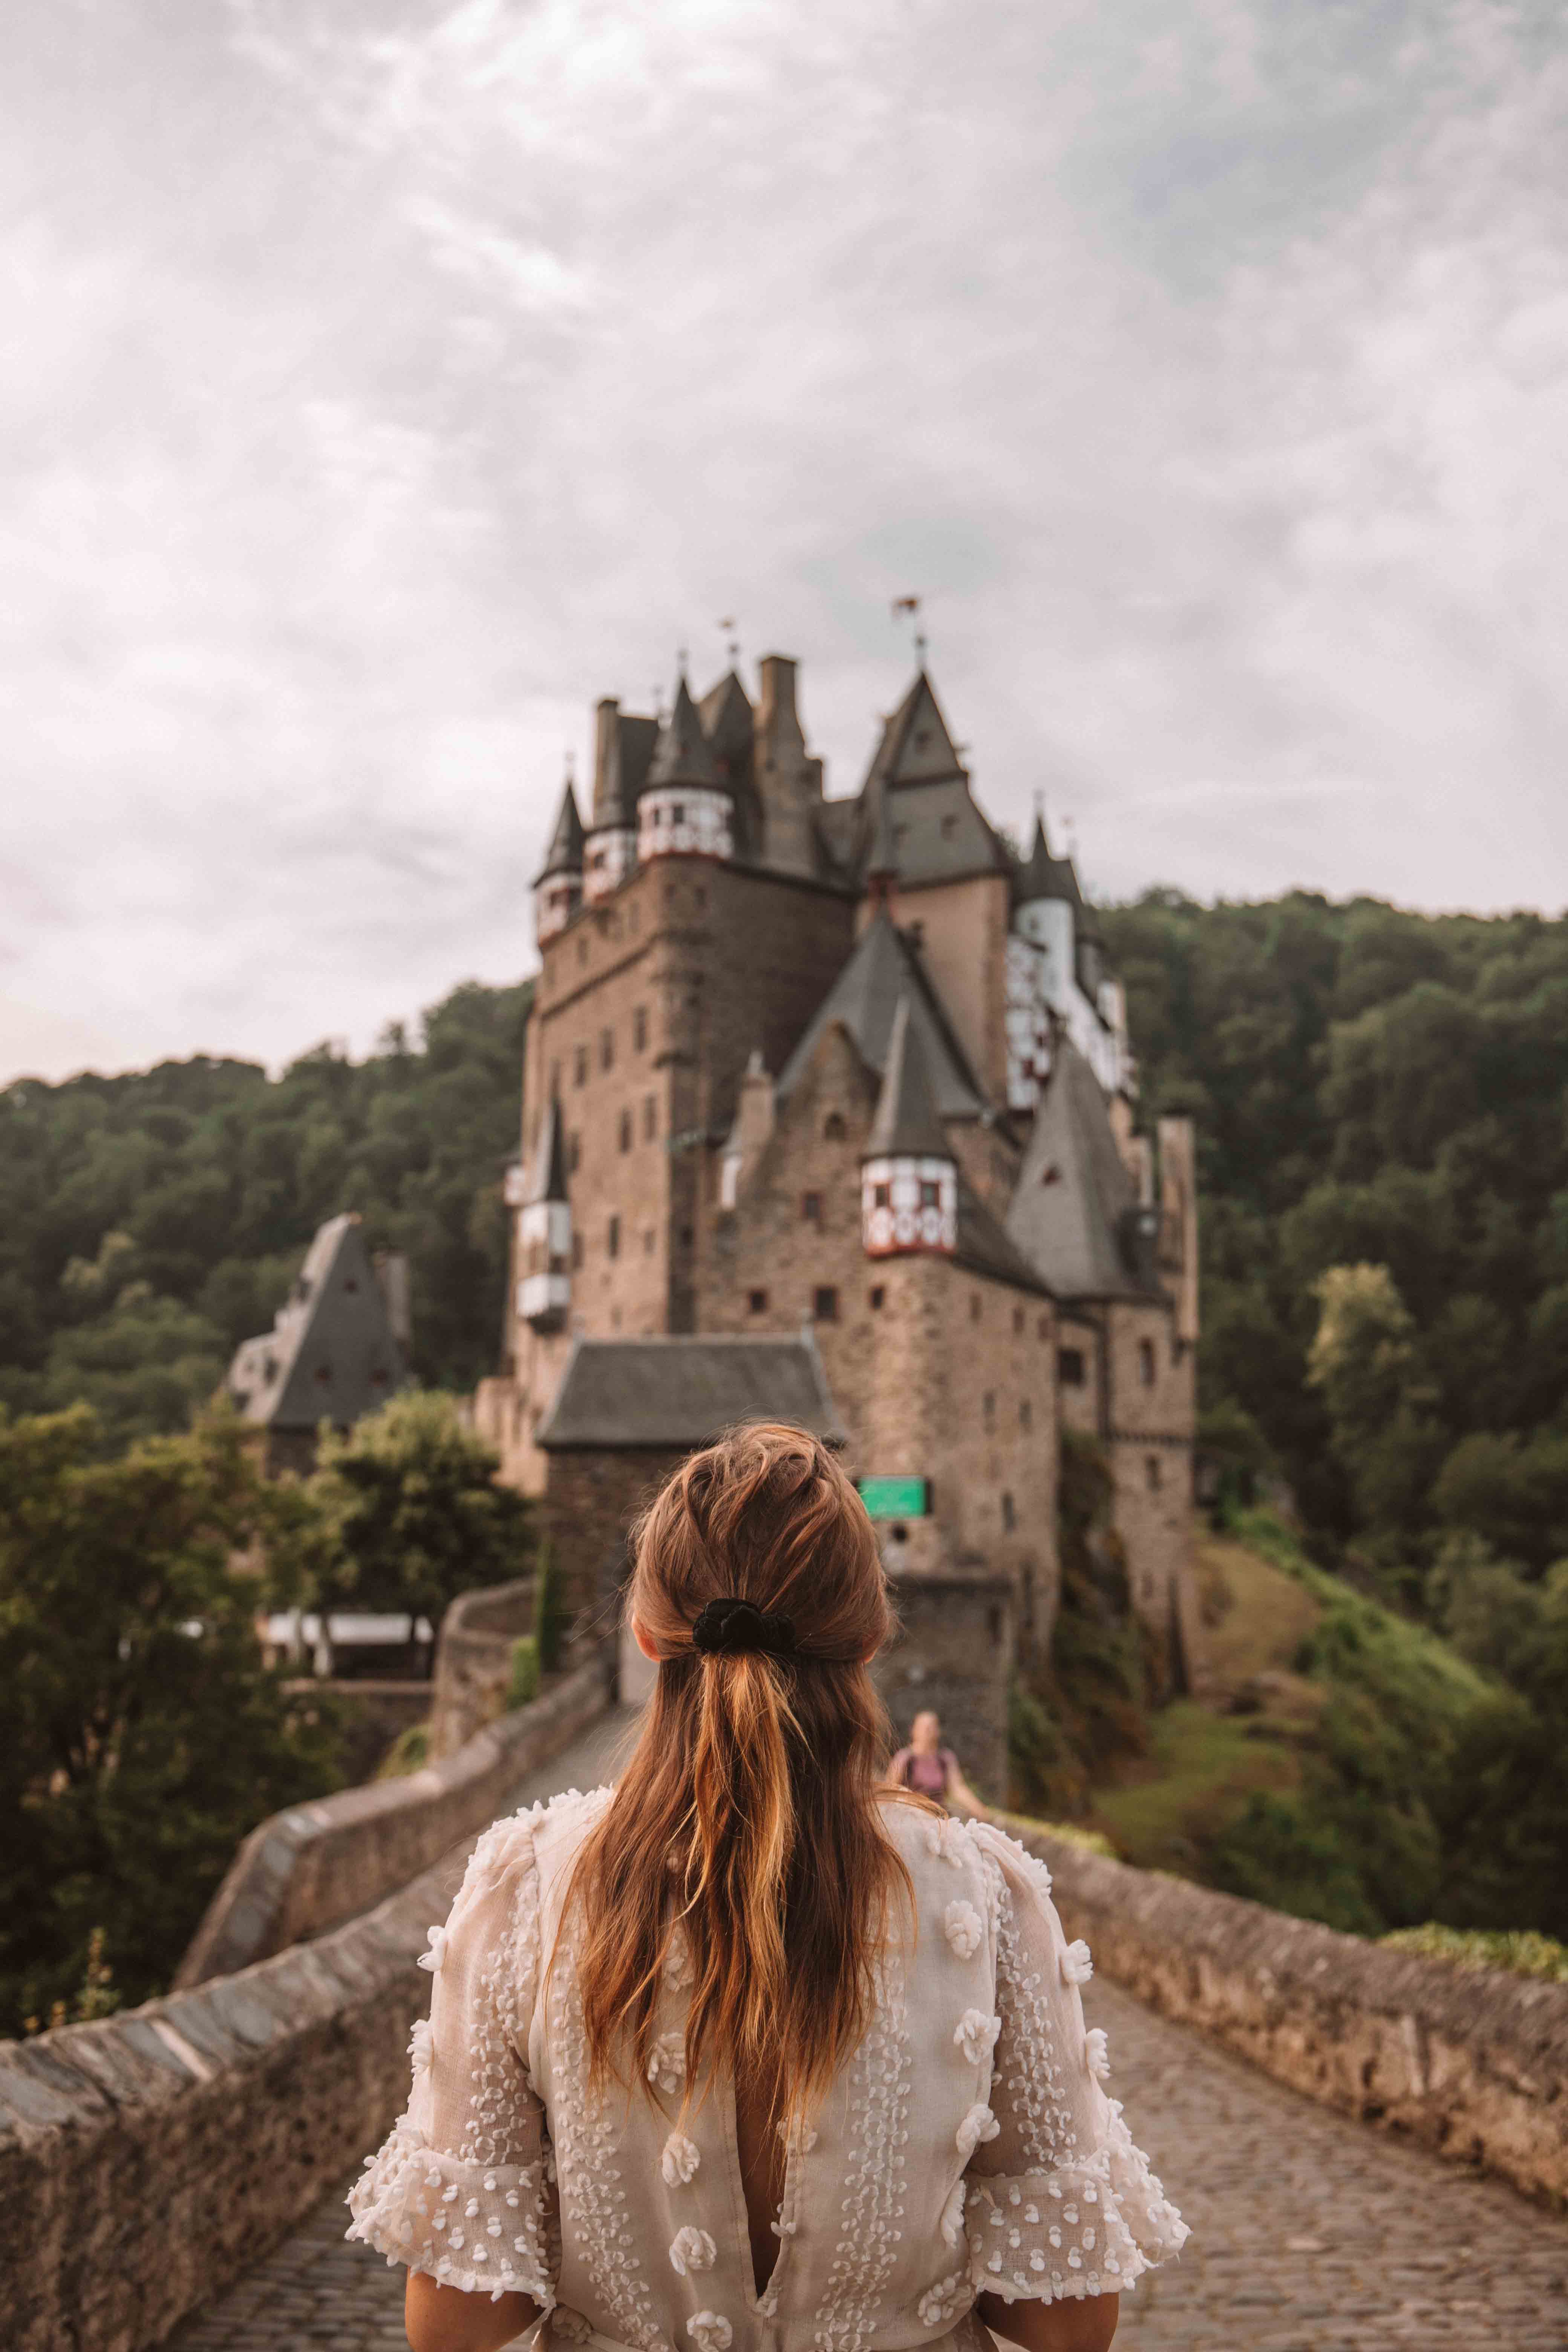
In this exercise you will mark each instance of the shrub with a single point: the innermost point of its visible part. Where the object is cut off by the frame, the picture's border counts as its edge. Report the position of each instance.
(525, 1672)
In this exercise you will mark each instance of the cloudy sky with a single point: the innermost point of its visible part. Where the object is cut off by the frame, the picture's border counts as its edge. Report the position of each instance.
(388, 378)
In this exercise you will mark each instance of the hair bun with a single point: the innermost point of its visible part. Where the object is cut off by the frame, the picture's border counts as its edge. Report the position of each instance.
(731, 1626)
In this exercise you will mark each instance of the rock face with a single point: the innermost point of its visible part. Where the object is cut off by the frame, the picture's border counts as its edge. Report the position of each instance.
(1473, 2063)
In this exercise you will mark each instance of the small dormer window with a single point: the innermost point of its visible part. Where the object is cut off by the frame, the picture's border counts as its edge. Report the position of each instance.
(833, 1127)
(677, 812)
(350, 1283)
(931, 1193)
(324, 1375)
(881, 1196)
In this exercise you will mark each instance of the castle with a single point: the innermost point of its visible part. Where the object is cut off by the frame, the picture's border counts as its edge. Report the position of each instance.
(827, 1110)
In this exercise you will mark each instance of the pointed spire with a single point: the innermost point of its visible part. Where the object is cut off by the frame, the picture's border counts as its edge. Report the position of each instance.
(547, 1176)
(682, 755)
(564, 854)
(1042, 876)
(906, 1124)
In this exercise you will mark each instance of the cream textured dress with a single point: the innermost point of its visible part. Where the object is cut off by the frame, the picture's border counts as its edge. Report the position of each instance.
(967, 2145)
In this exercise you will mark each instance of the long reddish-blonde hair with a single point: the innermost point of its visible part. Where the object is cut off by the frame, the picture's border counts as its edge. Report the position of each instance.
(747, 1821)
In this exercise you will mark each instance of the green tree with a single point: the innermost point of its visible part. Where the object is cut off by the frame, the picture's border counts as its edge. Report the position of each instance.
(144, 1735)
(408, 1513)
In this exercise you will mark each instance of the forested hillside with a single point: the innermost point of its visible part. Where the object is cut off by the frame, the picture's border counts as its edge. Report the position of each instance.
(1382, 1102)
(150, 1222)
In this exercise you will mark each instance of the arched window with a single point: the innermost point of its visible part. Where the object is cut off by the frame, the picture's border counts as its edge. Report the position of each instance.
(1146, 1362)
(833, 1127)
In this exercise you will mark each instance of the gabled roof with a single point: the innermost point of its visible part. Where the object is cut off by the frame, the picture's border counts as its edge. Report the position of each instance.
(547, 1170)
(906, 1124)
(916, 747)
(683, 1391)
(682, 755)
(1075, 1212)
(564, 854)
(864, 1000)
(1044, 876)
(331, 1354)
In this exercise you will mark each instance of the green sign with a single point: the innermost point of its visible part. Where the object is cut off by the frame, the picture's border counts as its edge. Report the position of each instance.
(896, 1498)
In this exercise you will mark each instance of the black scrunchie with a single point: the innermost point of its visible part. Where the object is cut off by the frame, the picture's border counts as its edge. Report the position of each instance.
(729, 1626)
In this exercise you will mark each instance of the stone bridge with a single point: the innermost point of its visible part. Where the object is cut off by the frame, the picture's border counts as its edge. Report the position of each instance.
(1312, 2230)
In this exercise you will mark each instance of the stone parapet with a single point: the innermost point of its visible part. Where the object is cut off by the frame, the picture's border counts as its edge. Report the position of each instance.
(1475, 2065)
(473, 1662)
(307, 1869)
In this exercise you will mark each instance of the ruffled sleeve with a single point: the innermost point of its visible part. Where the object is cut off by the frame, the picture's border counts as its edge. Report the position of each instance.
(1058, 2201)
(463, 2188)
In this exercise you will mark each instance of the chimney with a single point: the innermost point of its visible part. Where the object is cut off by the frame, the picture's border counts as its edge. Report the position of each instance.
(391, 1275)
(778, 725)
(606, 716)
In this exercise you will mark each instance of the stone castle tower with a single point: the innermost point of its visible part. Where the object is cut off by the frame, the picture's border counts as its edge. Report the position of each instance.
(842, 1076)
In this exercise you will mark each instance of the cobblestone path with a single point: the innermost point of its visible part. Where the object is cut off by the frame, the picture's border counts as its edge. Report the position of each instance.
(1310, 2233)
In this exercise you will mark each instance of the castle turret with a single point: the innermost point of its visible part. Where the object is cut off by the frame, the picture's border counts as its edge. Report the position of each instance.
(788, 779)
(558, 885)
(611, 850)
(544, 1232)
(909, 1177)
(686, 808)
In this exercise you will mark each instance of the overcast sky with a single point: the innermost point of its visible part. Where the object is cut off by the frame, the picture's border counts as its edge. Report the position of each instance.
(387, 378)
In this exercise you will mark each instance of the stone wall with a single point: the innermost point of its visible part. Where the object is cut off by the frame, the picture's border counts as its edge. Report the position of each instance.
(1473, 2063)
(473, 1662)
(148, 2159)
(306, 1870)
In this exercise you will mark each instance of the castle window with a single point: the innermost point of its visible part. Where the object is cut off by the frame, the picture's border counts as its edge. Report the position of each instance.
(626, 1130)
(573, 1152)
(686, 1237)
(1017, 1321)
(648, 1242)
(677, 812)
(324, 1375)
(639, 1028)
(555, 1080)
(701, 898)
(974, 1307)
(1009, 1516)
(881, 1196)
(1045, 1326)
(876, 1296)
(607, 1048)
(1026, 1413)
(1070, 1368)
(825, 1304)
(811, 1208)
(1146, 1362)
(1152, 1472)
(576, 1249)
(988, 1408)
(756, 1302)
(613, 1242)
(649, 1118)
(931, 1193)
(580, 1066)
(833, 1127)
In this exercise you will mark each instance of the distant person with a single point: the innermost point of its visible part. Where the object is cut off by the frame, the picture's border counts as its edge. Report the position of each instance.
(932, 1770)
(747, 2054)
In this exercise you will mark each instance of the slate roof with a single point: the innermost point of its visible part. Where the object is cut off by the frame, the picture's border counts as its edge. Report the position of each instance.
(564, 854)
(1044, 876)
(682, 755)
(916, 746)
(1075, 1212)
(728, 719)
(864, 1000)
(683, 1391)
(547, 1170)
(984, 1245)
(906, 1124)
(331, 1354)
(629, 757)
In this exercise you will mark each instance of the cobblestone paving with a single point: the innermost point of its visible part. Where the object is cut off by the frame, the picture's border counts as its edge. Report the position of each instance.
(1310, 2233)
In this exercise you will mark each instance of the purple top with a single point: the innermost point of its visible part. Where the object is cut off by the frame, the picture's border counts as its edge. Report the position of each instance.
(927, 1775)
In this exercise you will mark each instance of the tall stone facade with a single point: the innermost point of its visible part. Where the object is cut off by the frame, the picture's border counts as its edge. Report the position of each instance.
(848, 1065)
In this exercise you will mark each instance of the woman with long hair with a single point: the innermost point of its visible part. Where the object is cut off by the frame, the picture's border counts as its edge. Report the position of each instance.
(750, 2053)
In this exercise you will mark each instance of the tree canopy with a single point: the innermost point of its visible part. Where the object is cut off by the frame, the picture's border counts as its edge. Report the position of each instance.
(151, 1222)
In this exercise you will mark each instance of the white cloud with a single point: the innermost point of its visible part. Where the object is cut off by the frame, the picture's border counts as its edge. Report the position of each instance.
(401, 376)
